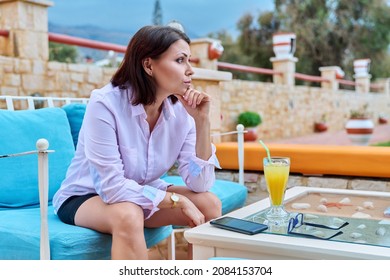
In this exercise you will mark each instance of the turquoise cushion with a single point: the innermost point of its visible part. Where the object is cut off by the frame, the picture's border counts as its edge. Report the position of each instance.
(231, 194)
(19, 132)
(75, 113)
(20, 233)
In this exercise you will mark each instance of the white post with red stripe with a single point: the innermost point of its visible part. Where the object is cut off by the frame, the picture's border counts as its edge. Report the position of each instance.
(284, 45)
(332, 74)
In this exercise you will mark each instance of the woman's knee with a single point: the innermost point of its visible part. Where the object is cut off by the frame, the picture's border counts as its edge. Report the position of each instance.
(211, 206)
(127, 218)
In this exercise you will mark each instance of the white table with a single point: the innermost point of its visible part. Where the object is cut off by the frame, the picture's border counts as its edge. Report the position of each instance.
(209, 241)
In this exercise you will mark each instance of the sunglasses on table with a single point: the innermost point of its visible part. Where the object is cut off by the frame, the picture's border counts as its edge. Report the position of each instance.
(295, 227)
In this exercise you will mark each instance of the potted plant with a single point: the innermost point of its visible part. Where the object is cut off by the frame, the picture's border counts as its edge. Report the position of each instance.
(250, 120)
(382, 119)
(320, 126)
(360, 127)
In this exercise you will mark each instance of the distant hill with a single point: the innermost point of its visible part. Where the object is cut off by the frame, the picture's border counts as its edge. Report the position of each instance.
(93, 33)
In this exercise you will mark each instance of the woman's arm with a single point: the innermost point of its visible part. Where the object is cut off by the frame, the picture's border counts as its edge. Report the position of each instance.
(197, 105)
(198, 171)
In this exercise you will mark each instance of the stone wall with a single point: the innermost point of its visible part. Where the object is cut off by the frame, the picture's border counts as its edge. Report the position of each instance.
(23, 77)
(290, 111)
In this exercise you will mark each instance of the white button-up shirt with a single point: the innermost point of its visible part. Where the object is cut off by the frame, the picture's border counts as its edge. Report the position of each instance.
(118, 157)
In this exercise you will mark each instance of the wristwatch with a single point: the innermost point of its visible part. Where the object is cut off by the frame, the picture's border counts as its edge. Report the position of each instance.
(175, 199)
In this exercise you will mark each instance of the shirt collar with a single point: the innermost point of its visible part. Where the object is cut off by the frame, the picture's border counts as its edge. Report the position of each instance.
(138, 110)
(167, 109)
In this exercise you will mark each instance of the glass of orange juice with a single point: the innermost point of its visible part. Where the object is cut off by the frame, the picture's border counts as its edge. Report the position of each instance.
(276, 172)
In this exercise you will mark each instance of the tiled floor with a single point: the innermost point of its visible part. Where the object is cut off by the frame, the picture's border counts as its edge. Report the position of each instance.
(160, 251)
(381, 134)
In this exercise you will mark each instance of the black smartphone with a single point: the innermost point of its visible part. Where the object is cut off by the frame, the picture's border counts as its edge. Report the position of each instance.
(239, 225)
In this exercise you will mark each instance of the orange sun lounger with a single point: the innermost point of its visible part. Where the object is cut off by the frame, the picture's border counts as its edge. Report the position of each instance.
(362, 161)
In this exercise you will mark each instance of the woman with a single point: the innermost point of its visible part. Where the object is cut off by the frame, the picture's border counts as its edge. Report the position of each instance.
(134, 129)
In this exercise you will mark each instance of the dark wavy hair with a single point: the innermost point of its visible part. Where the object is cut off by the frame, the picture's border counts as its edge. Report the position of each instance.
(149, 41)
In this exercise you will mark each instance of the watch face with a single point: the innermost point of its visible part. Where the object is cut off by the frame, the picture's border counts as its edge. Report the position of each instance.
(175, 198)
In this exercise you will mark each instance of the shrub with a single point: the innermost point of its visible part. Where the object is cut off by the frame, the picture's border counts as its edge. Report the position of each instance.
(249, 119)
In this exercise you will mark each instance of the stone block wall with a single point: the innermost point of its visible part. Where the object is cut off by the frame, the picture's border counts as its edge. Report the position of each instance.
(23, 77)
(290, 111)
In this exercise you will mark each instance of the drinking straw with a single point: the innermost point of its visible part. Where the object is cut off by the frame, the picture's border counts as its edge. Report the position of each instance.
(266, 149)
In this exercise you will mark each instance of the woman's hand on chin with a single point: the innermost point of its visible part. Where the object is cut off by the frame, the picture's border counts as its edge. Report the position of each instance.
(197, 103)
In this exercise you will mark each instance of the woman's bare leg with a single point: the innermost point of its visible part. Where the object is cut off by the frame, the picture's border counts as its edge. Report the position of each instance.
(124, 221)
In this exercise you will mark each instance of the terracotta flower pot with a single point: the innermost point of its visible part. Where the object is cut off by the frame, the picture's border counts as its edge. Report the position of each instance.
(360, 130)
(251, 135)
(382, 120)
(320, 127)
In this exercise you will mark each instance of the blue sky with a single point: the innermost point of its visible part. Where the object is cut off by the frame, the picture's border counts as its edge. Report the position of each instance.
(200, 17)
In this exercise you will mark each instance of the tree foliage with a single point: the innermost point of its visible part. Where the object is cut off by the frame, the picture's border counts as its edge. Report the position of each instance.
(62, 53)
(329, 33)
(336, 32)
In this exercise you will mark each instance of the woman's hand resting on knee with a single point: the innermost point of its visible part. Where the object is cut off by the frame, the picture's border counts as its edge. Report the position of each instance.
(190, 214)
(195, 217)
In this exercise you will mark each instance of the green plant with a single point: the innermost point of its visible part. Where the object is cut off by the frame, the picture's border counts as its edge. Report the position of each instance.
(249, 119)
(382, 144)
(323, 118)
(360, 113)
(62, 53)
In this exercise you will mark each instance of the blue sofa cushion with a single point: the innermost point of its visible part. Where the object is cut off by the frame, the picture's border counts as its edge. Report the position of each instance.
(231, 194)
(20, 233)
(19, 132)
(75, 113)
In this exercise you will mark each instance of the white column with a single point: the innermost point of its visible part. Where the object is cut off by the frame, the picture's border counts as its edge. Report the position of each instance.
(331, 73)
(27, 23)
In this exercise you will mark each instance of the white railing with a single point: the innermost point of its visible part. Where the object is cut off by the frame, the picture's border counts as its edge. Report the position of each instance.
(240, 142)
(32, 101)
